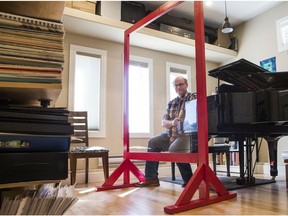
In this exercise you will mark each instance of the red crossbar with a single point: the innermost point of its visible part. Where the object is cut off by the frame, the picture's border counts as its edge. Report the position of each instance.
(203, 178)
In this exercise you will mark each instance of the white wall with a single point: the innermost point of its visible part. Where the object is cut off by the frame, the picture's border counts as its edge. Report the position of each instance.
(114, 130)
(258, 38)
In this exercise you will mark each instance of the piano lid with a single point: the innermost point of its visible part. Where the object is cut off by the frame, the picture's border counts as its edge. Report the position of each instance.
(250, 77)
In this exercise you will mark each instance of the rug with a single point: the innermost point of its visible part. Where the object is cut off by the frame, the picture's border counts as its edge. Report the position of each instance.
(228, 182)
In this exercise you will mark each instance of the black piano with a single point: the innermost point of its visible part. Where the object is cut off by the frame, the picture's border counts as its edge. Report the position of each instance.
(252, 103)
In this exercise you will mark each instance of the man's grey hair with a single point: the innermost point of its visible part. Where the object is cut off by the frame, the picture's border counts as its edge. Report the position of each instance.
(185, 80)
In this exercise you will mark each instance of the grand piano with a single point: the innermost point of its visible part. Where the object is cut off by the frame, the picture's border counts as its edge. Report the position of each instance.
(251, 103)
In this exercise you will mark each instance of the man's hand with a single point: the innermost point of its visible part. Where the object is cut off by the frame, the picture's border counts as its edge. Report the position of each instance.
(168, 123)
(175, 121)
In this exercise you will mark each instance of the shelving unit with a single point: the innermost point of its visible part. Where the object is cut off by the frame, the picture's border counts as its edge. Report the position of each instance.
(32, 60)
(91, 25)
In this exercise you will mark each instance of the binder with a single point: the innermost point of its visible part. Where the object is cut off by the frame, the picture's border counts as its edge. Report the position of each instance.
(33, 143)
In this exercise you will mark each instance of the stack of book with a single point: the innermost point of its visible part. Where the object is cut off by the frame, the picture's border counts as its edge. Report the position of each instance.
(34, 143)
(35, 120)
(31, 50)
(47, 200)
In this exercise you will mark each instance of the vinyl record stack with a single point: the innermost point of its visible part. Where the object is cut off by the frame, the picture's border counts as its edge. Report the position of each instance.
(31, 50)
(31, 56)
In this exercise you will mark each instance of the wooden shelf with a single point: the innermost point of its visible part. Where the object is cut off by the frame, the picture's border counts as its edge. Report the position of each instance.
(29, 93)
(26, 184)
(91, 25)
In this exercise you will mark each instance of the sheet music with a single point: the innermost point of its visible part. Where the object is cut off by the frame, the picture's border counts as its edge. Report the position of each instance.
(47, 200)
(190, 120)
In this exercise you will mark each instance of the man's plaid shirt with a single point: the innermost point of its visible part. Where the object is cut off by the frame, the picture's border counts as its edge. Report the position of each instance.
(172, 111)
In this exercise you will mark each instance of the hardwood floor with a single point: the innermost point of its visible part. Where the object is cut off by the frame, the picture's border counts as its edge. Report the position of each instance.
(269, 199)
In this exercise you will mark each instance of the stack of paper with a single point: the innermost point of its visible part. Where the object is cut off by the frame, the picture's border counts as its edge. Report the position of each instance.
(47, 200)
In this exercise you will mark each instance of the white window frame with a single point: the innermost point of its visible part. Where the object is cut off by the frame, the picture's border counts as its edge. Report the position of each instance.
(169, 66)
(74, 49)
(150, 67)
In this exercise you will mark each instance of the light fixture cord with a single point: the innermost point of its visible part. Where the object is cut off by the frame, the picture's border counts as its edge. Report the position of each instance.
(225, 9)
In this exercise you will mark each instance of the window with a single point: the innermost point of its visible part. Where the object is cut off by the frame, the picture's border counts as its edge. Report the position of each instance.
(174, 70)
(282, 34)
(87, 86)
(140, 97)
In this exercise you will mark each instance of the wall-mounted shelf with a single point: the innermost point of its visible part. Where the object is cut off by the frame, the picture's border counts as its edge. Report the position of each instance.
(87, 24)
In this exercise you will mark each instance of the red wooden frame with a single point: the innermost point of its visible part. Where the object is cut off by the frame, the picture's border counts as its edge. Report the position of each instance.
(203, 177)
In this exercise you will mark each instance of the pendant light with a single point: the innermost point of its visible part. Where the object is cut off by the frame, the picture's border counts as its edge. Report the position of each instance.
(226, 26)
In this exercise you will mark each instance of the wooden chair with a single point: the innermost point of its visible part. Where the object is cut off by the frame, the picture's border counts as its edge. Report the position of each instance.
(79, 146)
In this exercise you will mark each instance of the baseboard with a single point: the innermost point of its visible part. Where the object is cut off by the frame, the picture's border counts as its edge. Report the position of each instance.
(97, 176)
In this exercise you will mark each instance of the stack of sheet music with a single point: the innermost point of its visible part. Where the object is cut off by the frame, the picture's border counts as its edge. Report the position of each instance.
(31, 50)
(47, 200)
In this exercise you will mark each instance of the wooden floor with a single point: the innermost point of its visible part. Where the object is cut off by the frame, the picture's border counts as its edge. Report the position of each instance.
(269, 199)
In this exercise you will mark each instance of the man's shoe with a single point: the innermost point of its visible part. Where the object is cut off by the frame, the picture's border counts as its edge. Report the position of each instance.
(184, 185)
(149, 183)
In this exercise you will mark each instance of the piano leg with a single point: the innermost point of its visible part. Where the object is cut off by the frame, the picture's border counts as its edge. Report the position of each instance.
(249, 179)
(272, 147)
(241, 180)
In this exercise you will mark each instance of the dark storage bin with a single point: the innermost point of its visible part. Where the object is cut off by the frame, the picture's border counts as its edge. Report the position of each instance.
(132, 12)
(22, 167)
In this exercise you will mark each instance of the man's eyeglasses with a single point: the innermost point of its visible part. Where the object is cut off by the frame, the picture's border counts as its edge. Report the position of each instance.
(179, 85)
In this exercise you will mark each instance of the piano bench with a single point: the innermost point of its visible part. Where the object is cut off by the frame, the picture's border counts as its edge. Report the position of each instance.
(214, 150)
(286, 171)
(220, 148)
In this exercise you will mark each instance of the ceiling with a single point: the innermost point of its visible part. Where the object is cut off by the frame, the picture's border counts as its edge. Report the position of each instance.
(237, 11)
